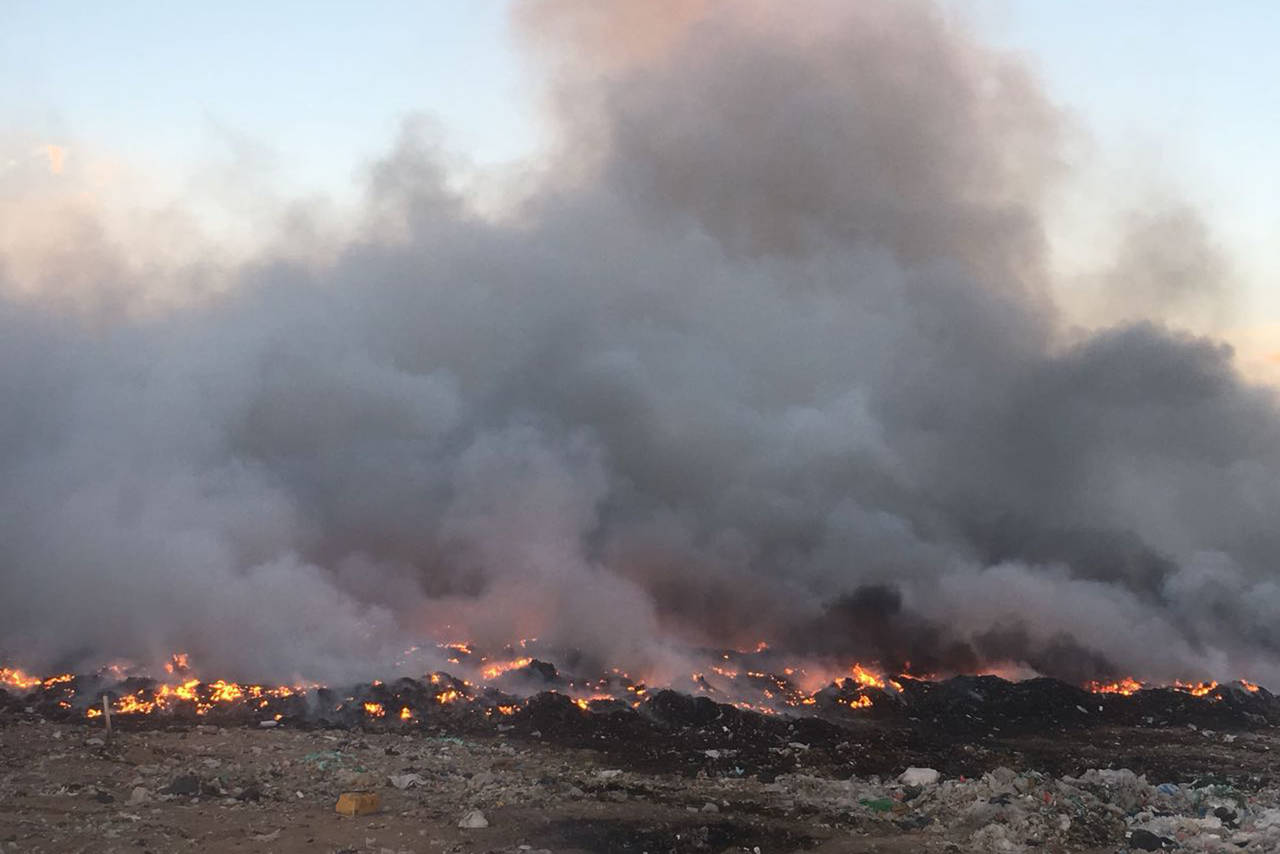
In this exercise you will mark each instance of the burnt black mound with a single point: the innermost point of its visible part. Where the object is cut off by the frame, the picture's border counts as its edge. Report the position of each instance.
(962, 726)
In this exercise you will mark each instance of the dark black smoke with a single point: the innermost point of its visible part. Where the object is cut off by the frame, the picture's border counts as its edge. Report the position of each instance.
(769, 352)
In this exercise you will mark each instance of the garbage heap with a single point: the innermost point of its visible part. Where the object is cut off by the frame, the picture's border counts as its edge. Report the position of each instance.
(1010, 811)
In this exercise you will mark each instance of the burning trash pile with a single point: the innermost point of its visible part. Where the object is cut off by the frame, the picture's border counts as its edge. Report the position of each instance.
(991, 764)
(509, 689)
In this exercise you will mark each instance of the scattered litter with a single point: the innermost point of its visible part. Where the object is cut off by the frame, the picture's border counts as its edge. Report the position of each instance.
(405, 781)
(473, 820)
(918, 777)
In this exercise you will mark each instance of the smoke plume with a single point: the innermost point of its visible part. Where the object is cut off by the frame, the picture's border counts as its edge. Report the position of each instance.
(768, 352)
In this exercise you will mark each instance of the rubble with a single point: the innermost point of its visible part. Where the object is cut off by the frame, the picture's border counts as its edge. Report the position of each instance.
(187, 784)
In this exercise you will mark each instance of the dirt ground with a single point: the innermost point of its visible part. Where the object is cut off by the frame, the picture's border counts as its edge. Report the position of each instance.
(63, 788)
(276, 790)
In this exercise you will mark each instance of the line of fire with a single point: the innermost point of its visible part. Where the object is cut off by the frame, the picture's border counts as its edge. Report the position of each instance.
(505, 685)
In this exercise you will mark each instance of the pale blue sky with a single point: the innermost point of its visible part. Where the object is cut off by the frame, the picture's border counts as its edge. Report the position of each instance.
(323, 84)
(1187, 87)
(327, 82)
(1179, 92)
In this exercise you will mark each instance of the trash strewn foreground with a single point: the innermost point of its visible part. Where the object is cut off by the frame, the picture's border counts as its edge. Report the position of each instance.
(704, 787)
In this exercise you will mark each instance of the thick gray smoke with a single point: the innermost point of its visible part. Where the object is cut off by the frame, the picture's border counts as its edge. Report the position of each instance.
(769, 353)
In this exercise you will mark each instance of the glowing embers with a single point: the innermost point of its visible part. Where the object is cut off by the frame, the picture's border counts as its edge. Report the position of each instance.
(761, 680)
(855, 690)
(225, 692)
(1125, 687)
(448, 690)
(464, 653)
(456, 651)
(1209, 689)
(146, 697)
(134, 704)
(18, 679)
(1195, 689)
(493, 671)
(867, 679)
(584, 703)
(193, 694)
(185, 691)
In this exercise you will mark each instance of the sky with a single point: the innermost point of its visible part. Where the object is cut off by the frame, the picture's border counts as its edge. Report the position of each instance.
(1167, 97)
(1174, 94)
(323, 85)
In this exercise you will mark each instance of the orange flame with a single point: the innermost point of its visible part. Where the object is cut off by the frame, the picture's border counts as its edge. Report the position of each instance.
(225, 692)
(584, 703)
(131, 704)
(493, 671)
(771, 691)
(866, 678)
(18, 679)
(1125, 687)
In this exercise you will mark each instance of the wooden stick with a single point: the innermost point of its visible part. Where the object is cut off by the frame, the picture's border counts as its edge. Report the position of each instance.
(106, 714)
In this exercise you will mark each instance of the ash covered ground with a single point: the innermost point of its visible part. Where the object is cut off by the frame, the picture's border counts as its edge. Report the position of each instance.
(966, 764)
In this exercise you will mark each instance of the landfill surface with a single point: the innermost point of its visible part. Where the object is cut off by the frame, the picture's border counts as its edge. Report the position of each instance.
(711, 784)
